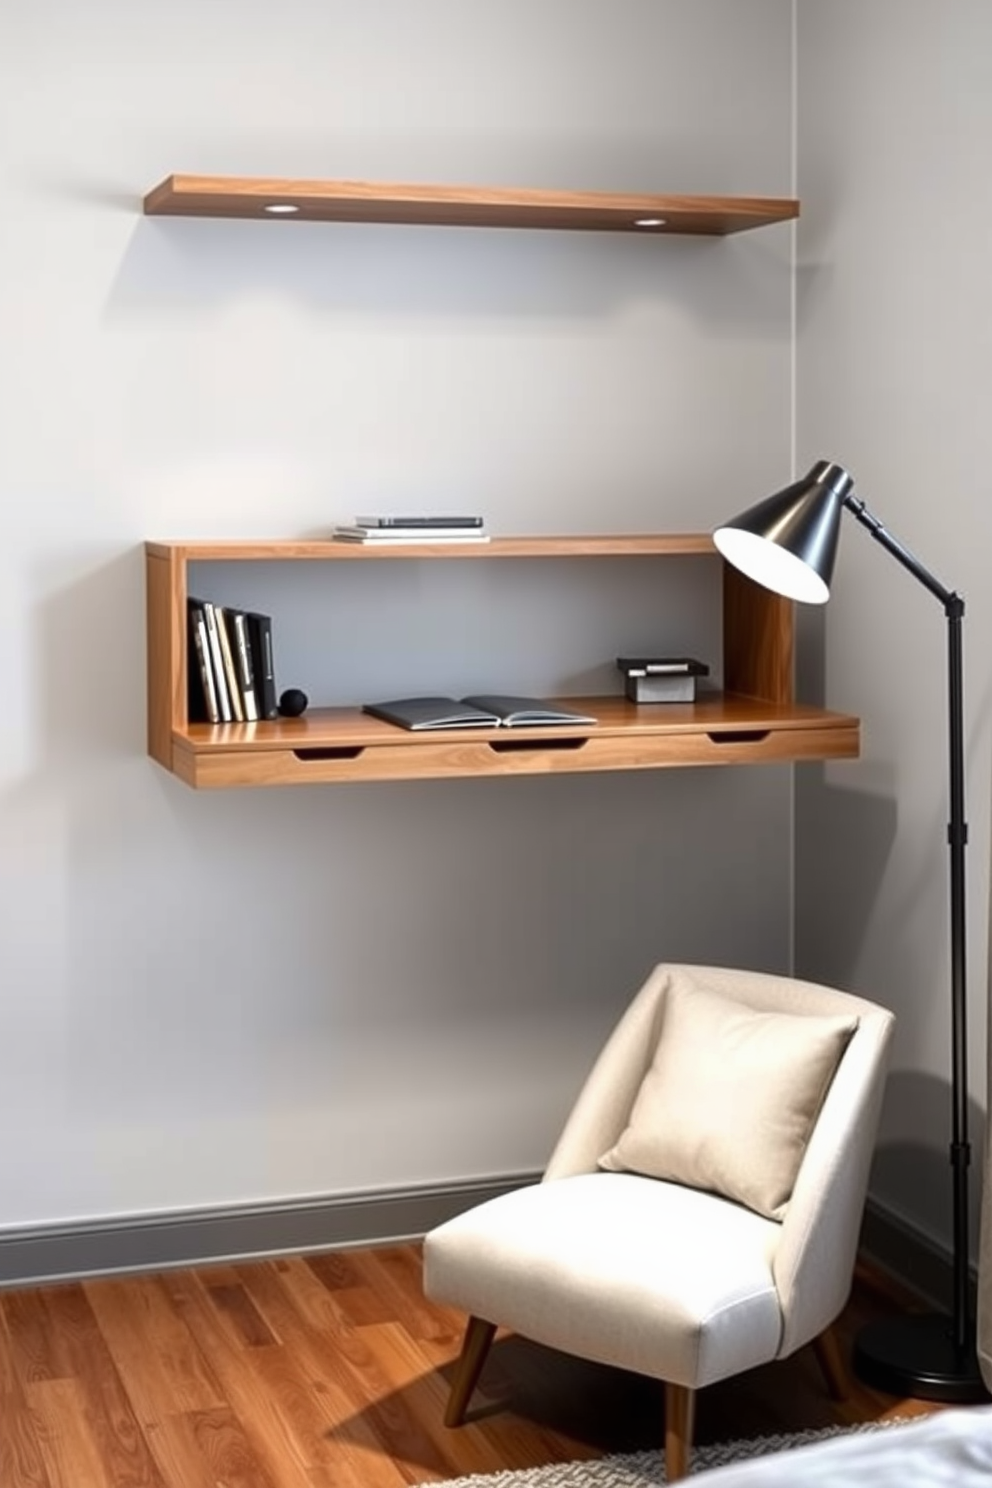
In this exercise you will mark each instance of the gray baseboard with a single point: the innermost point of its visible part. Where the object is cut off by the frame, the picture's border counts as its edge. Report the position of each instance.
(909, 1256)
(49, 1253)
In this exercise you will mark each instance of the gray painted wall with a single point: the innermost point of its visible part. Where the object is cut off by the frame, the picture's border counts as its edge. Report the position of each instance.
(246, 997)
(894, 357)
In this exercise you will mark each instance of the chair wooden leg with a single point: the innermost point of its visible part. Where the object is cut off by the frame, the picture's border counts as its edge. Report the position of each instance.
(680, 1420)
(475, 1346)
(831, 1362)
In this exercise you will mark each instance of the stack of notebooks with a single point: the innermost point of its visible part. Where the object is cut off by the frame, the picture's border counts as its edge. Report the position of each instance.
(372, 531)
(231, 673)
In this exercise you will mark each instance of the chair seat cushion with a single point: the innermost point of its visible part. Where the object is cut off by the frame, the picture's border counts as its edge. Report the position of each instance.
(651, 1276)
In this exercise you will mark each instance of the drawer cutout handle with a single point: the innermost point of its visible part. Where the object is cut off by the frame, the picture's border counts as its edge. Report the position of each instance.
(739, 736)
(518, 746)
(332, 752)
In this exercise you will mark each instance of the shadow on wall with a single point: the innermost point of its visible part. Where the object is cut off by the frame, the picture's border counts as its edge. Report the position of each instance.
(843, 841)
(921, 1102)
(88, 646)
(359, 270)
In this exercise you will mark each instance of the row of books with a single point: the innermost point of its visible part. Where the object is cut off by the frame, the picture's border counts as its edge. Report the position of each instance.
(373, 531)
(231, 670)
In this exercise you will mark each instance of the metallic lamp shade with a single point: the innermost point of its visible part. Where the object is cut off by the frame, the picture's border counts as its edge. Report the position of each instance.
(788, 542)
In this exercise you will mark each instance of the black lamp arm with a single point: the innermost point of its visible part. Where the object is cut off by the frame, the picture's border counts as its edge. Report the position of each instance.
(952, 602)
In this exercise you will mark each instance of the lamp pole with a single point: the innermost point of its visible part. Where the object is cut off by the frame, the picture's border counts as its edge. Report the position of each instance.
(934, 1357)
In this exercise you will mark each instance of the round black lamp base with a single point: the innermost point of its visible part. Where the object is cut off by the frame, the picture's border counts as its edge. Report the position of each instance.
(915, 1357)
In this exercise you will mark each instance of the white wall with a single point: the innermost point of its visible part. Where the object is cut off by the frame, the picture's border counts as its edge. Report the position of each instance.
(216, 999)
(895, 381)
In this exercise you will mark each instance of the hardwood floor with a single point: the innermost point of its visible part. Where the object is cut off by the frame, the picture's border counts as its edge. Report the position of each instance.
(331, 1371)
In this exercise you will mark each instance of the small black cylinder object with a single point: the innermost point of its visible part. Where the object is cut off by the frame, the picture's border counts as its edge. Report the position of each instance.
(293, 702)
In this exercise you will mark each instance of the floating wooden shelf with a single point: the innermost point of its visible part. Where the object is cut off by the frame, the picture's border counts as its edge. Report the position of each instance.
(462, 206)
(340, 744)
(326, 550)
(755, 721)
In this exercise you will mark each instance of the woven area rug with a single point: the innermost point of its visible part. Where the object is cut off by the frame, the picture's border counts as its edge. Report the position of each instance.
(647, 1469)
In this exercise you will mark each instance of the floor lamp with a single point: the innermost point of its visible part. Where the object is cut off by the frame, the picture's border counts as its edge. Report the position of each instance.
(788, 543)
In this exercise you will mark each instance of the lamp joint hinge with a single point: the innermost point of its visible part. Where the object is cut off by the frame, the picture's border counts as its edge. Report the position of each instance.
(959, 837)
(960, 1154)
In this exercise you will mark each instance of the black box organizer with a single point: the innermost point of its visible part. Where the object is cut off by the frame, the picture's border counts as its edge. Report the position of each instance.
(661, 679)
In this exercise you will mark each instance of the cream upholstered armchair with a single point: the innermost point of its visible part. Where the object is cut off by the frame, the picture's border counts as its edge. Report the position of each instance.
(700, 1213)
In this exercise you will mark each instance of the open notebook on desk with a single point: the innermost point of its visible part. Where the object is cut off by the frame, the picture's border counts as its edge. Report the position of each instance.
(482, 710)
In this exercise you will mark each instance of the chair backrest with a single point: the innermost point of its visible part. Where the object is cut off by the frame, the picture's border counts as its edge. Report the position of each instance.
(814, 1260)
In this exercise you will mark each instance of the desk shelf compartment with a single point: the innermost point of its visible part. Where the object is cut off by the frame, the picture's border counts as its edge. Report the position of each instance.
(754, 720)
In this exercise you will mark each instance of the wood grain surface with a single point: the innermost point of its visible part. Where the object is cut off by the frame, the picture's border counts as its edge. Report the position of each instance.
(463, 206)
(332, 1371)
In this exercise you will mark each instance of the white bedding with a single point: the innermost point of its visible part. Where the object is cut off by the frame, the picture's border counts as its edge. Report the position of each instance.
(952, 1448)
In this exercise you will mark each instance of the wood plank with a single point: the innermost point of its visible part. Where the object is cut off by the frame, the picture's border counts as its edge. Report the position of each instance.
(224, 1446)
(72, 1455)
(491, 1440)
(337, 1270)
(287, 1415)
(319, 1338)
(164, 1370)
(269, 1433)
(359, 1301)
(110, 1417)
(35, 1347)
(162, 660)
(462, 206)
(242, 1314)
(282, 550)
(22, 1461)
(342, 1274)
(394, 1273)
(301, 1401)
(173, 1444)
(424, 1393)
(376, 1410)
(758, 640)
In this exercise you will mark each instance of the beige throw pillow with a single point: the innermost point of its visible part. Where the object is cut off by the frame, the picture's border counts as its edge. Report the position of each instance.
(730, 1098)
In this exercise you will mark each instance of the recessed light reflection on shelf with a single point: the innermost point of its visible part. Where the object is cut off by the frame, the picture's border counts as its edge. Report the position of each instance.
(281, 209)
(650, 222)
